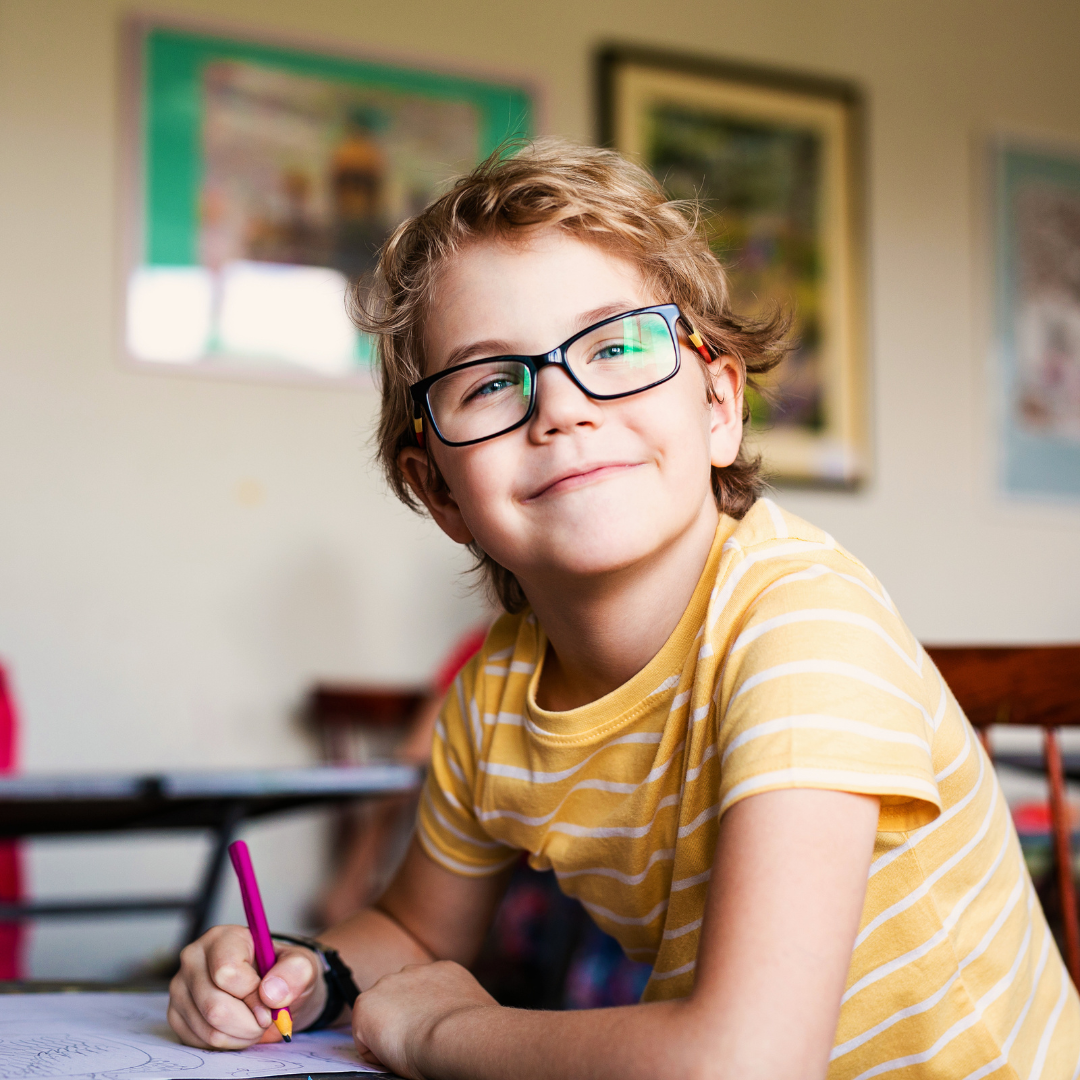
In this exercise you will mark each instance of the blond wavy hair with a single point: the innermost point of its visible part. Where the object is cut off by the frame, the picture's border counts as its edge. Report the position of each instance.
(596, 196)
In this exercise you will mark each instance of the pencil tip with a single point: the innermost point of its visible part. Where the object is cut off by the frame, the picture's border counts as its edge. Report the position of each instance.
(283, 1022)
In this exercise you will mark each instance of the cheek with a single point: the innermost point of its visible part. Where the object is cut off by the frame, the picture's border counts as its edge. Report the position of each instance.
(678, 419)
(474, 476)
(687, 446)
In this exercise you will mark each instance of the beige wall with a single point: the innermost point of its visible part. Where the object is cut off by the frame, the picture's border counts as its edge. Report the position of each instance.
(154, 618)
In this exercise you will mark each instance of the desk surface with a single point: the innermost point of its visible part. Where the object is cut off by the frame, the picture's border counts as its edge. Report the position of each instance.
(38, 805)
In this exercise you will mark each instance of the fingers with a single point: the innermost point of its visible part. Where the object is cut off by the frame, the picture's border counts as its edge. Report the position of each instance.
(293, 975)
(183, 1030)
(230, 959)
(187, 1019)
(263, 1017)
(217, 1000)
(365, 1052)
(206, 1006)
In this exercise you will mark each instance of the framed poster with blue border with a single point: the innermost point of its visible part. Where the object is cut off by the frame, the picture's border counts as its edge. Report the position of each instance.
(1037, 323)
(263, 179)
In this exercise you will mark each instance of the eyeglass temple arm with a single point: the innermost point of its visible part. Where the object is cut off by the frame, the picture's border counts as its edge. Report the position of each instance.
(704, 351)
(418, 423)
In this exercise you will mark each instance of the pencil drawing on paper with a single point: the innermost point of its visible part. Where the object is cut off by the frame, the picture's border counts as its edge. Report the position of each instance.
(46, 1055)
(124, 1036)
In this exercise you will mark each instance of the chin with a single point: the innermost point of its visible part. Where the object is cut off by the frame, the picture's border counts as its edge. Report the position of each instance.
(605, 549)
(589, 537)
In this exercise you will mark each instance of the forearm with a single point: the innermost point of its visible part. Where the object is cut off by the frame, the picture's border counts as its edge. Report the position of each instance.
(374, 944)
(651, 1041)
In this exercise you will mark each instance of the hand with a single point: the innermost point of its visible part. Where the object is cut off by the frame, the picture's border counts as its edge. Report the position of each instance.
(393, 1021)
(218, 1002)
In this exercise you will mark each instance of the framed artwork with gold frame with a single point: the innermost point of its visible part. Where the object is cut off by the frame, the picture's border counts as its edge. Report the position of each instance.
(775, 159)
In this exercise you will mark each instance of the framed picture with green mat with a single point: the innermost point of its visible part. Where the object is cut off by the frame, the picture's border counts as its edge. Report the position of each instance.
(262, 181)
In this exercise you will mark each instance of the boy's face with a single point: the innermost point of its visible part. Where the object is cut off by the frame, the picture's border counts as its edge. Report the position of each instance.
(586, 487)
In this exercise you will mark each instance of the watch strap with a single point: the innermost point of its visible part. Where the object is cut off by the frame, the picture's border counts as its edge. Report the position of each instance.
(341, 988)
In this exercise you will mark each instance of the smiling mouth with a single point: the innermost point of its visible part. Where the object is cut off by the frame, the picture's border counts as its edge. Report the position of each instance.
(582, 477)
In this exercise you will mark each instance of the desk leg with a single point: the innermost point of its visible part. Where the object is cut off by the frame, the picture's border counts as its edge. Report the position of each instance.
(204, 900)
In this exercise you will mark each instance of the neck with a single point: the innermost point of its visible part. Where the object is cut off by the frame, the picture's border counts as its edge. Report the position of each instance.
(602, 631)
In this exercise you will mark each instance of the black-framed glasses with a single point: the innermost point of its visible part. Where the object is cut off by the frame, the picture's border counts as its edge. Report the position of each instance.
(482, 399)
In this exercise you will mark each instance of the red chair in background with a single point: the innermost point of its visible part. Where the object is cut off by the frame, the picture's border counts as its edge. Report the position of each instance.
(11, 934)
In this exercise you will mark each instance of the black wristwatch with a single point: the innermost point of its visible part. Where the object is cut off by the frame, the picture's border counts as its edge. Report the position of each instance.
(341, 988)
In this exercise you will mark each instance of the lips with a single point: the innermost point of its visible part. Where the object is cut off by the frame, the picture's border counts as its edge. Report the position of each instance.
(580, 475)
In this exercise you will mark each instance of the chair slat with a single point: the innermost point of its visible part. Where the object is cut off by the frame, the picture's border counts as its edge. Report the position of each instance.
(1061, 826)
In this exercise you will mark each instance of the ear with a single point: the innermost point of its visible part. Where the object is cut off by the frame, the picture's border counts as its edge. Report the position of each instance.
(726, 429)
(416, 467)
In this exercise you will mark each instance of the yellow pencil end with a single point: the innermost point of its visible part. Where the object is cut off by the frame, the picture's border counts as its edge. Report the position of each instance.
(283, 1022)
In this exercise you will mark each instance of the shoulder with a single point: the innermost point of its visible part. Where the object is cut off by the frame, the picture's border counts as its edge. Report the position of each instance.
(820, 683)
(768, 529)
(771, 551)
(791, 601)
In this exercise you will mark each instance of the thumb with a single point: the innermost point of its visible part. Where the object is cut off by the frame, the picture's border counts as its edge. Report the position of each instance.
(292, 976)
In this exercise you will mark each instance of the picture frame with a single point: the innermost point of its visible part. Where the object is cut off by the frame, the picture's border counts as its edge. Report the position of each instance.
(1036, 323)
(261, 178)
(776, 160)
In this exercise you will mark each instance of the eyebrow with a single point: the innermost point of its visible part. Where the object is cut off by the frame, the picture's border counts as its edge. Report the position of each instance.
(607, 310)
(476, 350)
(493, 347)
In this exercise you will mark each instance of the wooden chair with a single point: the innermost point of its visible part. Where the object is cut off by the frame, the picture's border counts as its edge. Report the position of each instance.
(357, 723)
(1037, 686)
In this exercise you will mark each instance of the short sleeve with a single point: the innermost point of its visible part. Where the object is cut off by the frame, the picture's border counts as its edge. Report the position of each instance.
(447, 827)
(825, 687)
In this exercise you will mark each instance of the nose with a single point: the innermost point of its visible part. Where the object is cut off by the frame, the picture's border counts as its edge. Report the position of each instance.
(561, 406)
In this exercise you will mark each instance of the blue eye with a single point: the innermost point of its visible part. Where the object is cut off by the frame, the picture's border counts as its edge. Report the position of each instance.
(620, 350)
(611, 352)
(492, 386)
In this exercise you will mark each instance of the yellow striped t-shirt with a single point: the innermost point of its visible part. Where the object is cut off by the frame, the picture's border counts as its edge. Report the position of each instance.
(789, 668)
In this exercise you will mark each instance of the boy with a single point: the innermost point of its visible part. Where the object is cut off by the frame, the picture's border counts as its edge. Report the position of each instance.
(702, 713)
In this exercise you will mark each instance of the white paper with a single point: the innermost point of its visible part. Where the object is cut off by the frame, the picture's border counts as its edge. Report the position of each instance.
(117, 1036)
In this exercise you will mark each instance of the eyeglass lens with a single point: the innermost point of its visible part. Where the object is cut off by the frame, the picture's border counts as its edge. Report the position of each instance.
(618, 357)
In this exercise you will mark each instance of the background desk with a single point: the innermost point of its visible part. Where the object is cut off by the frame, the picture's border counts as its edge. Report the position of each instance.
(216, 801)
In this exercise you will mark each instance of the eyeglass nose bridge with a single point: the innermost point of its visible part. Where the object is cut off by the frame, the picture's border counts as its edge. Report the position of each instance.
(555, 358)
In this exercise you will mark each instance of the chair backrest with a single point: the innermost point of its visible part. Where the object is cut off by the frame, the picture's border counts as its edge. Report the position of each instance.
(358, 722)
(1032, 685)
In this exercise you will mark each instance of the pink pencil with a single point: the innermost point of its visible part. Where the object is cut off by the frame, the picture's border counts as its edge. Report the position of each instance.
(260, 931)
